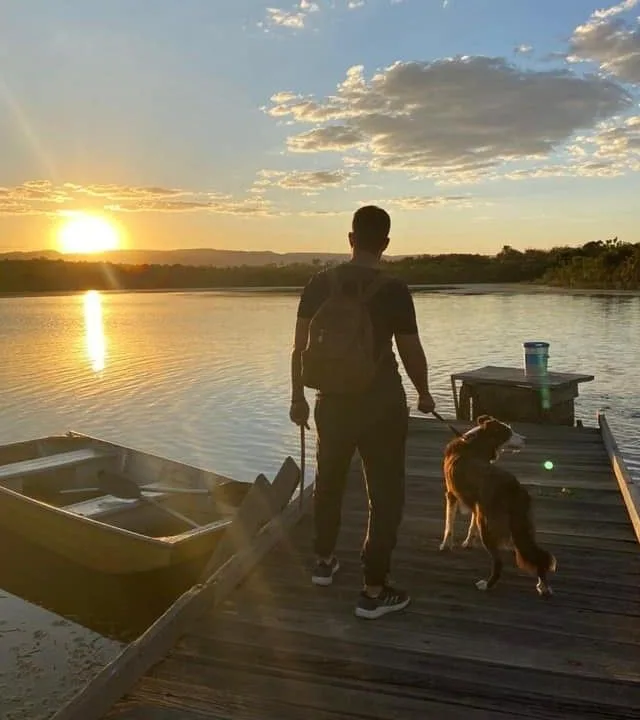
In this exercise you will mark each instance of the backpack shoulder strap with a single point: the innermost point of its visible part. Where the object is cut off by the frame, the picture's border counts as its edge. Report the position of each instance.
(374, 286)
(335, 282)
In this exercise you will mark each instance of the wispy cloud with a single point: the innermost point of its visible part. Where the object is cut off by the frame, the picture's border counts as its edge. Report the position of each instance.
(41, 197)
(621, 7)
(293, 18)
(417, 202)
(313, 180)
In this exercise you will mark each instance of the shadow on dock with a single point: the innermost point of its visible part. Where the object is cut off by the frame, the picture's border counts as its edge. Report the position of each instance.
(281, 648)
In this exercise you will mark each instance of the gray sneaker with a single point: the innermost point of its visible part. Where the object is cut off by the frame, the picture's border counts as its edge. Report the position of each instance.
(323, 571)
(389, 600)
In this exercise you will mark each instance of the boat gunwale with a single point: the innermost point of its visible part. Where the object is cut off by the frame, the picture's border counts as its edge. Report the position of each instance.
(65, 511)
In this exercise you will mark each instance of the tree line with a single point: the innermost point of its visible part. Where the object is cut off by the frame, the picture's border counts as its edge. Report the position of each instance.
(608, 264)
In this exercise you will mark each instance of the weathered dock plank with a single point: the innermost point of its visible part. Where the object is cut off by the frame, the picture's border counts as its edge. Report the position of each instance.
(279, 647)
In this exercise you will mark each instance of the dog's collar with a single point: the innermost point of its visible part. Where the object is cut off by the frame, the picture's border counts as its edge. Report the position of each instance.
(470, 433)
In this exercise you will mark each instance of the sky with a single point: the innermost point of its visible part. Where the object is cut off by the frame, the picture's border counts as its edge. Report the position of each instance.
(263, 124)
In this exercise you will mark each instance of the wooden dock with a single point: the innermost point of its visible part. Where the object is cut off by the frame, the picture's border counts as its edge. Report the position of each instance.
(279, 648)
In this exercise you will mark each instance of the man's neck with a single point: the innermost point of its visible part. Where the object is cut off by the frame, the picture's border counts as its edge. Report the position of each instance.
(365, 259)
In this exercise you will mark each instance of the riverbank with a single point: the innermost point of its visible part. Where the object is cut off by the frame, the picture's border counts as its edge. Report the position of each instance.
(611, 264)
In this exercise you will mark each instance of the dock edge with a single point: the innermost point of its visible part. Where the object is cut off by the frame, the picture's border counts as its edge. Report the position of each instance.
(629, 488)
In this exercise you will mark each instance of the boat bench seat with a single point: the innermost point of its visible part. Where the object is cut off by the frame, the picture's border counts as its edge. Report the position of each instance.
(106, 504)
(49, 462)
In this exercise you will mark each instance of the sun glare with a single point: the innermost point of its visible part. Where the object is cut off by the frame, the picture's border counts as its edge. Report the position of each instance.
(83, 233)
(94, 330)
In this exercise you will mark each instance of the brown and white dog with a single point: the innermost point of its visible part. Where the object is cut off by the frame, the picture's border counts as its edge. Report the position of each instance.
(500, 505)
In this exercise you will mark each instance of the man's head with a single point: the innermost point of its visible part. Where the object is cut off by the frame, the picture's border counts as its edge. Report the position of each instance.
(370, 230)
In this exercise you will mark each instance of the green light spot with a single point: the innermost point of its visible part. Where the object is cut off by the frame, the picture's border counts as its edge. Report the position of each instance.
(548, 465)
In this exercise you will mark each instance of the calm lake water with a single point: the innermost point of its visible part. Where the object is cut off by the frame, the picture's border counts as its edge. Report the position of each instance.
(203, 377)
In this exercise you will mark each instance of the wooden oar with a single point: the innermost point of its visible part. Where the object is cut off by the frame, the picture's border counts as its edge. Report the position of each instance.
(122, 487)
(148, 488)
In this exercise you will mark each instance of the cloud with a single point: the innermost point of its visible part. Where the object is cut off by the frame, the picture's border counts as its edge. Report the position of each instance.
(416, 202)
(621, 7)
(609, 41)
(323, 213)
(523, 49)
(291, 18)
(41, 197)
(456, 118)
(334, 137)
(612, 149)
(314, 180)
(355, 4)
(286, 19)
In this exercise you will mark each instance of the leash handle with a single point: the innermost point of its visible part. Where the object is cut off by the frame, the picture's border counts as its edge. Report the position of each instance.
(439, 417)
(302, 464)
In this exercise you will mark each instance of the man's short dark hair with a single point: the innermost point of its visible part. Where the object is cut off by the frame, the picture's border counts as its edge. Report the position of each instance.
(370, 227)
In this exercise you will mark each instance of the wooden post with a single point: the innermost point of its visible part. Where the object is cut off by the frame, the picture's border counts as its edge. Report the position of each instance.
(455, 397)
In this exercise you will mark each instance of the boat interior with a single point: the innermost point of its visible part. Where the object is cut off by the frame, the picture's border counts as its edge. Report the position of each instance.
(64, 471)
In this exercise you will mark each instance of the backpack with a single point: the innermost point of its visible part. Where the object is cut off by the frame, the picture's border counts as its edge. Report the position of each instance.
(339, 356)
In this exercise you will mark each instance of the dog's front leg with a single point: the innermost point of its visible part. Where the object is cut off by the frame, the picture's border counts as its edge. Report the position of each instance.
(449, 521)
(471, 534)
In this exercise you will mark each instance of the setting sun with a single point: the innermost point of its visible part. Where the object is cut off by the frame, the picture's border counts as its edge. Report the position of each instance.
(83, 233)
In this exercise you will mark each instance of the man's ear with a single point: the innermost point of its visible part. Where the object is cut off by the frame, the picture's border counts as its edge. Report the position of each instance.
(483, 419)
(351, 240)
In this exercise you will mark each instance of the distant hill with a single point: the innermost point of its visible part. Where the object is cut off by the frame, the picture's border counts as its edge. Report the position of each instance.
(194, 257)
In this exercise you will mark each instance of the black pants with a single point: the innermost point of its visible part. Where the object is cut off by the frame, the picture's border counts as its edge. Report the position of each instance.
(376, 425)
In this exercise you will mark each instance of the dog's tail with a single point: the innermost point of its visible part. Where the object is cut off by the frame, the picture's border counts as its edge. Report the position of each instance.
(529, 555)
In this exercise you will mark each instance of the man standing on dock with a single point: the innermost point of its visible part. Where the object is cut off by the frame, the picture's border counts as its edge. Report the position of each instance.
(346, 354)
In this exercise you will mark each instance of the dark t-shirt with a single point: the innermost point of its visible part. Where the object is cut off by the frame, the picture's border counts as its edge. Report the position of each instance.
(391, 308)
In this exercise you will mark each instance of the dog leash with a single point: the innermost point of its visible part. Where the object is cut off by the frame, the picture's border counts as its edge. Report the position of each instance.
(439, 417)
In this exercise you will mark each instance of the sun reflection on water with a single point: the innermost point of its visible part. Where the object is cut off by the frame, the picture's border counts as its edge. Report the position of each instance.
(94, 330)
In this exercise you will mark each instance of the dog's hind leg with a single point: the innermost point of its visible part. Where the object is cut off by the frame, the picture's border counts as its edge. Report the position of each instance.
(449, 521)
(471, 534)
(491, 547)
(543, 586)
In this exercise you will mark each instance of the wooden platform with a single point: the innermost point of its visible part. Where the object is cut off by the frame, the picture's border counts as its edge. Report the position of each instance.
(509, 394)
(281, 648)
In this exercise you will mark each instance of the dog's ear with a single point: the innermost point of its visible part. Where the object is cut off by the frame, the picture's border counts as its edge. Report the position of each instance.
(483, 419)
